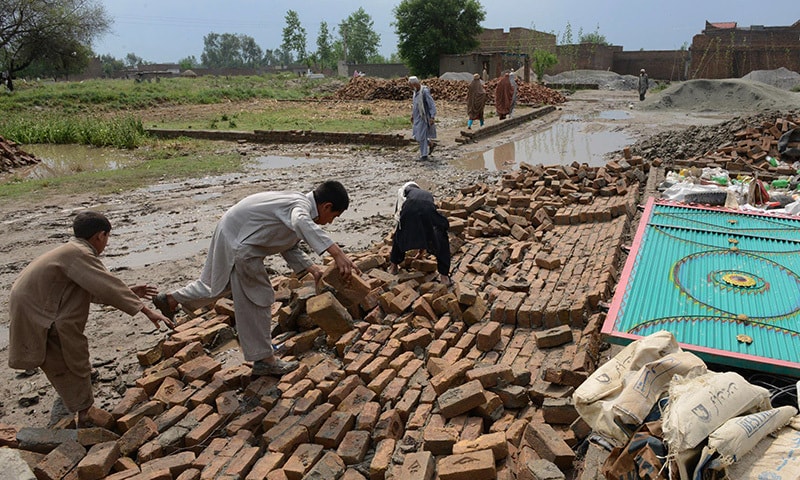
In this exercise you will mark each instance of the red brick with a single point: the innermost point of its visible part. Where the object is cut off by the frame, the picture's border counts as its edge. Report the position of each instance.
(344, 388)
(496, 442)
(334, 429)
(451, 375)
(60, 461)
(200, 368)
(439, 440)
(368, 416)
(269, 462)
(314, 420)
(461, 399)
(467, 466)
(288, 440)
(417, 466)
(144, 430)
(549, 444)
(329, 466)
(247, 421)
(302, 460)
(356, 399)
(204, 430)
(389, 425)
(98, 461)
(354, 447)
(382, 459)
(491, 376)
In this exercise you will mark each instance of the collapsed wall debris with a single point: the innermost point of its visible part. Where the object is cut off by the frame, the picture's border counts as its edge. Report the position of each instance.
(11, 156)
(369, 88)
(400, 376)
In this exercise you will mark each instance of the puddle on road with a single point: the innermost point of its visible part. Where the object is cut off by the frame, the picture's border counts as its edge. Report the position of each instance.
(573, 139)
(59, 160)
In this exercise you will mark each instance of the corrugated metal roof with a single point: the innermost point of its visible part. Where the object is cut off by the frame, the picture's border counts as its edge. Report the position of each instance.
(713, 277)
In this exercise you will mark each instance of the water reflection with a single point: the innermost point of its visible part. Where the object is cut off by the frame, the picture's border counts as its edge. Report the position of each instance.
(561, 143)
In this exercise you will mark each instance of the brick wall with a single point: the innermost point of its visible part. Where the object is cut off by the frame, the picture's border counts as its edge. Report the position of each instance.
(735, 52)
(660, 64)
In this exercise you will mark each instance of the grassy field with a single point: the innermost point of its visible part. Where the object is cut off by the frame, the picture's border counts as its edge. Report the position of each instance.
(115, 112)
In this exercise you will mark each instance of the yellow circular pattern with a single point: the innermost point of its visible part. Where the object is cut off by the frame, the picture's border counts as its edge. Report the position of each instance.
(739, 280)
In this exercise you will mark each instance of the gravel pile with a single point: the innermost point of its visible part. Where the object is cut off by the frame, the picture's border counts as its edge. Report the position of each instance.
(605, 80)
(727, 95)
(782, 78)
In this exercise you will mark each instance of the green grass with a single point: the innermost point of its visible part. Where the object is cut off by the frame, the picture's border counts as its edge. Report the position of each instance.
(51, 127)
(125, 94)
(168, 162)
(289, 116)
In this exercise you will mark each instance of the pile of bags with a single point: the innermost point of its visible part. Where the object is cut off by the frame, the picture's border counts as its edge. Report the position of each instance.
(667, 416)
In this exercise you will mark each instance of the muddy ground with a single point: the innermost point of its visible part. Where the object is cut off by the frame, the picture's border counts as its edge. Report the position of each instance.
(161, 233)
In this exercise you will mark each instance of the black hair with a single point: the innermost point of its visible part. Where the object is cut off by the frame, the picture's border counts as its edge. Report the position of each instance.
(334, 192)
(89, 222)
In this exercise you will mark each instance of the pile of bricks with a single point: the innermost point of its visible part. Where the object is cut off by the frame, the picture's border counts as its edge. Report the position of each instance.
(11, 156)
(368, 88)
(400, 376)
(743, 150)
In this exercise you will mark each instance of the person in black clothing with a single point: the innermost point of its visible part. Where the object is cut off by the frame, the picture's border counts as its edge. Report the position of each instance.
(421, 227)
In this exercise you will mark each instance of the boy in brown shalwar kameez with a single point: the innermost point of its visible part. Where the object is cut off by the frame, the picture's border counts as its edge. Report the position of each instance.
(49, 306)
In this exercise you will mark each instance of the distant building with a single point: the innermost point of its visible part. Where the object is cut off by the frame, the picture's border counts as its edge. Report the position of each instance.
(726, 50)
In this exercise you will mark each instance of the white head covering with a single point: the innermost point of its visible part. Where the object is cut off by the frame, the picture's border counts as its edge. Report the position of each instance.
(401, 199)
(413, 79)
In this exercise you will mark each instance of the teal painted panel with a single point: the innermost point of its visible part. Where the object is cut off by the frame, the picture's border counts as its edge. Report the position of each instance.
(712, 278)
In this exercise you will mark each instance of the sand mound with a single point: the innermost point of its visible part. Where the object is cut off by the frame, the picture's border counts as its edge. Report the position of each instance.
(460, 76)
(605, 80)
(780, 77)
(729, 95)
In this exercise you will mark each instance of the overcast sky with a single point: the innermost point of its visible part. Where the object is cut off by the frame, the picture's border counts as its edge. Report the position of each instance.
(165, 31)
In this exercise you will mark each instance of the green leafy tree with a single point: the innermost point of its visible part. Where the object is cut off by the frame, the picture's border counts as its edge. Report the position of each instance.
(61, 63)
(427, 29)
(111, 65)
(229, 50)
(595, 38)
(294, 36)
(40, 30)
(325, 54)
(252, 55)
(542, 60)
(359, 39)
(132, 60)
(188, 62)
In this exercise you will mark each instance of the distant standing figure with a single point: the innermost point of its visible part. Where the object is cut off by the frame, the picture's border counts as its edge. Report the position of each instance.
(421, 227)
(423, 113)
(643, 84)
(476, 100)
(503, 96)
(485, 75)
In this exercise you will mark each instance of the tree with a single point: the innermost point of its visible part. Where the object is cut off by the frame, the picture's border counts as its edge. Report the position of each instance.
(111, 65)
(324, 47)
(359, 40)
(294, 36)
(132, 60)
(230, 50)
(252, 54)
(594, 37)
(542, 60)
(188, 62)
(427, 29)
(41, 30)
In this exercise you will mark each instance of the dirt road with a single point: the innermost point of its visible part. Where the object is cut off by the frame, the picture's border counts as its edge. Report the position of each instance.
(161, 232)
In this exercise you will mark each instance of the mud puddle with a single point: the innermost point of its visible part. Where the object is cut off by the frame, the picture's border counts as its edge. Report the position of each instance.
(574, 138)
(57, 160)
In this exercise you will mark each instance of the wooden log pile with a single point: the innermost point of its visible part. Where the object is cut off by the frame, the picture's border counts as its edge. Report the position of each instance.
(369, 88)
(400, 375)
(11, 156)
